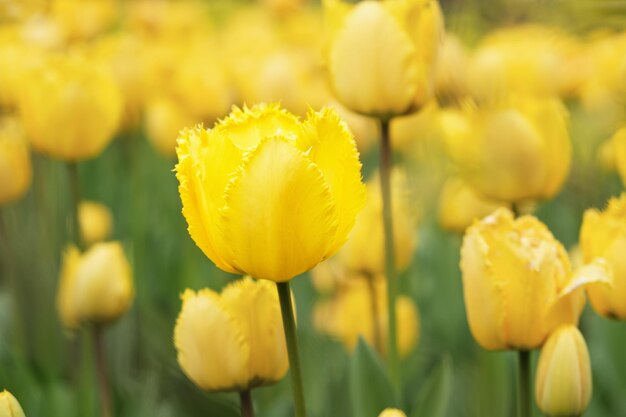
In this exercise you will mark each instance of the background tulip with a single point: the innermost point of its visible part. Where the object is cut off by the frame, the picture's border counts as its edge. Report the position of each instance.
(95, 221)
(392, 412)
(15, 165)
(9, 407)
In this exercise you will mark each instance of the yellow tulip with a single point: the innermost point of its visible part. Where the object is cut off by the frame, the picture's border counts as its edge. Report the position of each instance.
(163, 120)
(563, 383)
(516, 151)
(381, 54)
(15, 165)
(83, 19)
(363, 252)
(517, 282)
(283, 6)
(392, 412)
(329, 276)
(618, 146)
(9, 407)
(96, 286)
(365, 130)
(460, 205)
(268, 195)
(232, 341)
(450, 77)
(603, 235)
(95, 221)
(70, 108)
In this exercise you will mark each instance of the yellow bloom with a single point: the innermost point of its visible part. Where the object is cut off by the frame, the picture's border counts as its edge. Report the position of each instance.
(392, 412)
(516, 151)
(15, 166)
(70, 108)
(95, 221)
(618, 146)
(268, 195)
(364, 250)
(83, 19)
(603, 235)
(460, 205)
(366, 130)
(451, 77)
(96, 286)
(234, 340)
(164, 119)
(563, 382)
(9, 407)
(283, 6)
(517, 282)
(381, 55)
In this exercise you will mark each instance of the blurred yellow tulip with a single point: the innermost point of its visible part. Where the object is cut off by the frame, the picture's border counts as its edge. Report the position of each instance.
(232, 341)
(365, 130)
(283, 6)
(268, 195)
(381, 54)
(517, 282)
(516, 151)
(95, 221)
(9, 406)
(15, 166)
(95, 286)
(618, 146)
(603, 235)
(83, 19)
(392, 412)
(451, 76)
(163, 121)
(563, 383)
(70, 108)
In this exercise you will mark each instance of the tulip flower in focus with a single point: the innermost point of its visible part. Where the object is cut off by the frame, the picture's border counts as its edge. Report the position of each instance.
(95, 286)
(563, 382)
(516, 151)
(603, 235)
(95, 221)
(70, 108)
(517, 282)
(15, 165)
(9, 406)
(232, 341)
(381, 54)
(392, 412)
(267, 194)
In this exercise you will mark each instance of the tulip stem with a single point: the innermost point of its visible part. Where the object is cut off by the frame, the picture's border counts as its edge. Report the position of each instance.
(289, 324)
(101, 369)
(523, 384)
(74, 182)
(247, 410)
(378, 337)
(390, 264)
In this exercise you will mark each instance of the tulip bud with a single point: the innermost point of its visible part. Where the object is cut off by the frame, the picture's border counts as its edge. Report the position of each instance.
(15, 164)
(564, 385)
(392, 412)
(9, 407)
(95, 221)
(96, 286)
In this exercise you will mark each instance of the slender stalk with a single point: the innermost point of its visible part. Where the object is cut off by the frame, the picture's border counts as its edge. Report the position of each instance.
(72, 170)
(374, 308)
(515, 209)
(523, 385)
(390, 252)
(247, 410)
(289, 324)
(101, 369)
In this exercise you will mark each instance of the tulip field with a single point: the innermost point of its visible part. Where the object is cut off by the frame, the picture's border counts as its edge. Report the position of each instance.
(323, 208)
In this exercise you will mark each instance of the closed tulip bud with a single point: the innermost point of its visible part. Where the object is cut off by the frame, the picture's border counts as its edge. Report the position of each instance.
(164, 119)
(618, 147)
(392, 412)
(563, 386)
(381, 54)
(70, 108)
(9, 407)
(603, 236)
(512, 152)
(15, 164)
(517, 282)
(95, 286)
(232, 341)
(268, 195)
(95, 221)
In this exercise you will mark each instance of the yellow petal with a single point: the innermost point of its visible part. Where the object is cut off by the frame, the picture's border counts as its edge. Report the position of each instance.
(392, 412)
(280, 216)
(212, 350)
(330, 145)
(66, 304)
(9, 406)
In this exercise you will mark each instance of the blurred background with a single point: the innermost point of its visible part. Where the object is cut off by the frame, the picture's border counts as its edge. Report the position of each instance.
(178, 63)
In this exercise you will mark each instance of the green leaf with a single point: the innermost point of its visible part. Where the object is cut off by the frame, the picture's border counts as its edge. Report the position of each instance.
(370, 388)
(434, 396)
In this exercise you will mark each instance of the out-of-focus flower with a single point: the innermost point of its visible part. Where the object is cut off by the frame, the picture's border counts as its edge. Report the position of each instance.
(349, 315)
(364, 250)
(268, 195)
(95, 286)
(365, 130)
(513, 152)
(563, 383)
(381, 55)
(232, 341)
(618, 146)
(283, 6)
(392, 412)
(164, 18)
(606, 154)
(164, 119)
(15, 165)
(460, 205)
(603, 235)
(95, 221)
(451, 76)
(83, 19)
(70, 108)
(517, 282)
(408, 131)
(330, 276)
(9, 406)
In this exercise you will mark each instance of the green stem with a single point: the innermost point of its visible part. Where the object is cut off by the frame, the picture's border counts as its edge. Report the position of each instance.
(374, 309)
(247, 410)
(101, 369)
(72, 169)
(390, 264)
(289, 324)
(523, 385)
